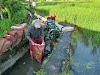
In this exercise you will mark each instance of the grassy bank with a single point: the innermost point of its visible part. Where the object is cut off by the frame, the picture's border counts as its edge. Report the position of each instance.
(17, 14)
(5, 24)
(84, 14)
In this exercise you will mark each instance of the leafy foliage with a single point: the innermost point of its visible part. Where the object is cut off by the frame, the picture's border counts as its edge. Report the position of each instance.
(40, 72)
(5, 26)
(13, 13)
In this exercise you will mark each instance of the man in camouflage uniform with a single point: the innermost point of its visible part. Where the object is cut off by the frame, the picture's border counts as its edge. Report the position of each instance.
(51, 29)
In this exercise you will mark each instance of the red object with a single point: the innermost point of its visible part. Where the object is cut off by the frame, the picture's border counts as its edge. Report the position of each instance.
(5, 44)
(24, 29)
(38, 41)
(14, 37)
(20, 31)
(37, 50)
(53, 16)
(20, 34)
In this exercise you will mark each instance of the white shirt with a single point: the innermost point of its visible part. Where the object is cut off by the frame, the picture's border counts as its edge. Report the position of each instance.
(33, 3)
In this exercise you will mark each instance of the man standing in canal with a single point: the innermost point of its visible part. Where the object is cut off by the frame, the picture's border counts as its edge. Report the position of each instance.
(35, 35)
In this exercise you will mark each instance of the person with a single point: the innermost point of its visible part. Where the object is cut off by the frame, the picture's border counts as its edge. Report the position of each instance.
(51, 26)
(53, 16)
(52, 32)
(35, 35)
(32, 4)
(49, 23)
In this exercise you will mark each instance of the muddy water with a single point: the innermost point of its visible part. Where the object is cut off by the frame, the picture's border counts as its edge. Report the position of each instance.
(85, 59)
(24, 66)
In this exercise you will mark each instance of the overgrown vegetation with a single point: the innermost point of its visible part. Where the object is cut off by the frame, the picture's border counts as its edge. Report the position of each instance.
(12, 13)
(41, 72)
(85, 14)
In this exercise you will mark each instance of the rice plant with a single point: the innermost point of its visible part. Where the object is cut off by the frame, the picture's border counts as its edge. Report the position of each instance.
(85, 14)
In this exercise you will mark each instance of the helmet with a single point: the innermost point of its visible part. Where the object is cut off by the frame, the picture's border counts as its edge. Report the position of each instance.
(52, 16)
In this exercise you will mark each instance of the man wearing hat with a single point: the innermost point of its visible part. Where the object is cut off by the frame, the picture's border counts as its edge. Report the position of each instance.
(35, 35)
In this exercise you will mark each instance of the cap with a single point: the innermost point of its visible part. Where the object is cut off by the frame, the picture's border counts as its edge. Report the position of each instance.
(37, 23)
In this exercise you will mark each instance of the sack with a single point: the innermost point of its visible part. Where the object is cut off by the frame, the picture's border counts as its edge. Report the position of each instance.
(66, 29)
(19, 32)
(5, 44)
(25, 26)
(21, 29)
(38, 52)
(14, 38)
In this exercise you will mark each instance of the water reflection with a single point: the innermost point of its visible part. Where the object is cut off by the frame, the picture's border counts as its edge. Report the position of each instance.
(86, 59)
(25, 66)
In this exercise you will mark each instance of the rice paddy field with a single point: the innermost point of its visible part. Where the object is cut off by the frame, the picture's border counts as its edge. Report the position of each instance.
(83, 13)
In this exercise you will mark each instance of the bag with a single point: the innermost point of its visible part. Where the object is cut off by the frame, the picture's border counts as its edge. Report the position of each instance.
(38, 52)
(21, 29)
(66, 29)
(25, 26)
(5, 44)
(14, 37)
(19, 32)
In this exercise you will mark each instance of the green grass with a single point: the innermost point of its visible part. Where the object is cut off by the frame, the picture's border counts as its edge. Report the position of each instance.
(69, 73)
(17, 14)
(18, 18)
(84, 14)
(5, 26)
(41, 72)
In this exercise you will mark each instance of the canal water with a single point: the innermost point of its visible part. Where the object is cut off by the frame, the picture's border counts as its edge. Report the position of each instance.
(85, 59)
(24, 66)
